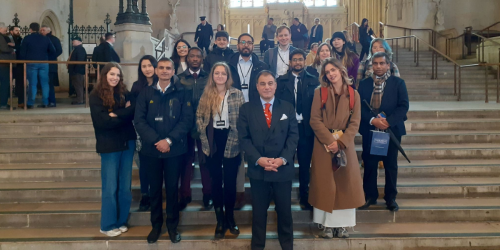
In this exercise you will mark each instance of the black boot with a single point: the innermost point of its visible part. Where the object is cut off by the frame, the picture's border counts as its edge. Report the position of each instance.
(145, 204)
(231, 224)
(220, 229)
(154, 235)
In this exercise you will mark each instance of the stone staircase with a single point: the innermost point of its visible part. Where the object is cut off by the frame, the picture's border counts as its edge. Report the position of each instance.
(449, 194)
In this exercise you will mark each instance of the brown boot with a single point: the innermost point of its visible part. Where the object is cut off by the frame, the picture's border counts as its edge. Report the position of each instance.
(240, 201)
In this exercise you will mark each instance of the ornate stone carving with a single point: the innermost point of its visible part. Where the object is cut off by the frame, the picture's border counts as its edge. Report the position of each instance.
(439, 18)
(173, 17)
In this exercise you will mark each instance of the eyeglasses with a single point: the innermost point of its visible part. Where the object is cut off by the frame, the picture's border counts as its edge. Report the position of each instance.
(298, 60)
(182, 47)
(245, 43)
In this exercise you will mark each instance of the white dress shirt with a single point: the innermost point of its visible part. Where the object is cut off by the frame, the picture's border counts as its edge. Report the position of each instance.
(298, 116)
(244, 69)
(282, 61)
(225, 114)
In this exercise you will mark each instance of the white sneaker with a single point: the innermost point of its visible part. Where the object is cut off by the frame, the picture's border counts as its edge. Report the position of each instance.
(327, 233)
(112, 233)
(123, 229)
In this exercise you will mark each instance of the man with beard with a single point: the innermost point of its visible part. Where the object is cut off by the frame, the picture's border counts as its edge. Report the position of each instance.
(194, 80)
(297, 87)
(245, 66)
(6, 53)
(18, 71)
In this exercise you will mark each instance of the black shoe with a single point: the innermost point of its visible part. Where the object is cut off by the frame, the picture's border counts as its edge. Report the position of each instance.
(154, 235)
(393, 206)
(207, 201)
(220, 229)
(368, 204)
(77, 103)
(145, 204)
(51, 105)
(41, 106)
(184, 202)
(304, 205)
(231, 225)
(30, 106)
(174, 235)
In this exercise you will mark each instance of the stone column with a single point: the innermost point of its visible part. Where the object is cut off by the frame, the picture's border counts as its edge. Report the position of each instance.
(144, 11)
(120, 8)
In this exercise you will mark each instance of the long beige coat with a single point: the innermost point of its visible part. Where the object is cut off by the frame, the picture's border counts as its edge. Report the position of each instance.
(342, 189)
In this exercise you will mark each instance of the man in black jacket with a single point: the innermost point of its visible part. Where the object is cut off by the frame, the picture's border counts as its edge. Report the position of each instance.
(221, 53)
(299, 33)
(297, 87)
(163, 118)
(245, 66)
(18, 71)
(194, 80)
(77, 72)
(388, 94)
(204, 34)
(268, 134)
(53, 68)
(105, 51)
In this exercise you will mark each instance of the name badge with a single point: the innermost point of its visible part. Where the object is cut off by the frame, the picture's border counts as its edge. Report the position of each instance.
(244, 86)
(220, 123)
(159, 118)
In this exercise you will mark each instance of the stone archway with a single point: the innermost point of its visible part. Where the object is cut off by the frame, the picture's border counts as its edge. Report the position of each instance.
(50, 19)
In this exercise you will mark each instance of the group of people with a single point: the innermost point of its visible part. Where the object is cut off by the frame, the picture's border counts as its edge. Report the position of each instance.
(39, 45)
(234, 109)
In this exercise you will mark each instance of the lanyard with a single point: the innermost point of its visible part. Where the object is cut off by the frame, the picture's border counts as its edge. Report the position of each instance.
(244, 85)
(222, 108)
(279, 54)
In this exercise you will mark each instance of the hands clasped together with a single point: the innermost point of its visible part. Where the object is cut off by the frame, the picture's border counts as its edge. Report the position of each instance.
(270, 164)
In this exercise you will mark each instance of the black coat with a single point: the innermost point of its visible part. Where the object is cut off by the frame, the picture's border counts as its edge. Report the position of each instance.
(258, 66)
(298, 35)
(112, 133)
(53, 57)
(139, 86)
(257, 140)
(105, 53)
(286, 92)
(319, 33)
(204, 34)
(395, 104)
(18, 40)
(195, 89)
(215, 56)
(174, 108)
(36, 47)
(78, 55)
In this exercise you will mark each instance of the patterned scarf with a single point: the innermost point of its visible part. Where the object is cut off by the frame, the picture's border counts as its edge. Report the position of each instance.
(378, 90)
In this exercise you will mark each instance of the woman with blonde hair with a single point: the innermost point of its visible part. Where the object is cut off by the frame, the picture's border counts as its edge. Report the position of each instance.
(216, 119)
(336, 188)
(324, 52)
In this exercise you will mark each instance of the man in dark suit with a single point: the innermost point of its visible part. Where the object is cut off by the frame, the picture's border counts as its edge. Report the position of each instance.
(299, 33)
(105, 51)
(204, 34)
(77, 72)
(18, 71)
(297, 87)
(53, 68)
(388, 94)
(316, 33)
(268, 134)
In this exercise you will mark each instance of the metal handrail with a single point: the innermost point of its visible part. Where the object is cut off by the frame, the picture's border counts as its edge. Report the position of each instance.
(483, 57)
(24, 62)
(433, 38)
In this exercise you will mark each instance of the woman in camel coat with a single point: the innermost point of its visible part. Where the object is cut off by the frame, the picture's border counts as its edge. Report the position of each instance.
(335, 191)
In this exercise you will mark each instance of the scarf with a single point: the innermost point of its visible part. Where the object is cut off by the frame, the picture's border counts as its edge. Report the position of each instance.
(378, 90)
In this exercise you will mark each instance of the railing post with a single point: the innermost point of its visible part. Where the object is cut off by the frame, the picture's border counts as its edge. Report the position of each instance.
(498, 83)
(459, 83)
(10, 86)
(415, 50)
(86, 86)
(418, 51)
(409, 38)
(486, 83)
(24, 92)
(397, 50)
(436, 72)
(404, 41)
(432, 59)
(484, 55)
(455, 80)
(463, 46)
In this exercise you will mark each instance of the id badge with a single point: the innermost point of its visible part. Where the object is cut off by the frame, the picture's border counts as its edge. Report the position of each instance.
(244, 86)
(220, 123)
(159, 118)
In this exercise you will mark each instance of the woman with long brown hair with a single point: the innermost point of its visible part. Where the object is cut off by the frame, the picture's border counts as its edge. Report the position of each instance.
(324, 52)
(336, 188)
(216, 119)
(112, 113)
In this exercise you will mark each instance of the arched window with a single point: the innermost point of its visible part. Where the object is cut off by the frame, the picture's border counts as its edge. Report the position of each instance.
(260, 3)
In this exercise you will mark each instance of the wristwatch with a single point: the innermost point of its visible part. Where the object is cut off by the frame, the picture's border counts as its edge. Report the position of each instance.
(169, 141)
(284, 161)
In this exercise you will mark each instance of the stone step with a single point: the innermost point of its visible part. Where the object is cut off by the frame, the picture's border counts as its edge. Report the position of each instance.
(60, 128)
(87, 214)
(452, 124)
(425, 187)
(79, 115)
(464, 112)
(450, 97)
(384, 236)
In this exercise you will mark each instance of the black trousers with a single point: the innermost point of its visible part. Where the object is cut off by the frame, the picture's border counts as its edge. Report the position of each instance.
(223, 196)
(205, 47)
(18, 73)
(304, 156)
(159, 170)
(271, 43)
(364, 51)
(371, 167)
(262, 192)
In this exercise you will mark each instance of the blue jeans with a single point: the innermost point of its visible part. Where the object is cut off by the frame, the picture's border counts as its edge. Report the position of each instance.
(35, 71)
(116, 176)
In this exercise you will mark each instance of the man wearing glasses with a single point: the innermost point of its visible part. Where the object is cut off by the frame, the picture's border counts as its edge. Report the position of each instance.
(245, 66)
(297, 87)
